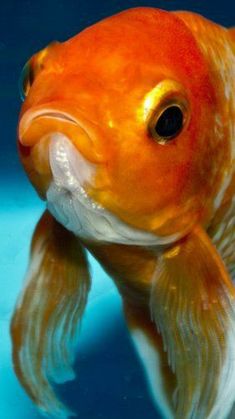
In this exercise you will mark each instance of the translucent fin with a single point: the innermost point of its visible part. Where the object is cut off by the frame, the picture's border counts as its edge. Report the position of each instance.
(232, 37)
(148, 343)
(193, 307)
(45, 322)
(232, 33)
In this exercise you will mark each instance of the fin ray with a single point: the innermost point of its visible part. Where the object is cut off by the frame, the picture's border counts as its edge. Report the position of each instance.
(193, 307)
(45, 322)
(232, 35)
(148, 343)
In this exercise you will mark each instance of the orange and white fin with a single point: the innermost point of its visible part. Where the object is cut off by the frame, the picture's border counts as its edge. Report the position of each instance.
(193, 306)
(148, 344)
(232, 34)
(45, 322)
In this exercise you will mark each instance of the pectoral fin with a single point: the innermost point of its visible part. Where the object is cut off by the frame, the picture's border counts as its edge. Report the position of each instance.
(148, 343)
(232, 34)
(45, 322)
(193, 305)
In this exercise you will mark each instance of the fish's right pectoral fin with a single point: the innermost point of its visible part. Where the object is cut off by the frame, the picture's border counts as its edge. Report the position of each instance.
(148, 343)
(45, 322)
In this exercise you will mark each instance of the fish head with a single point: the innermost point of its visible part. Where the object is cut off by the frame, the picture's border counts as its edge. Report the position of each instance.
(125, 111)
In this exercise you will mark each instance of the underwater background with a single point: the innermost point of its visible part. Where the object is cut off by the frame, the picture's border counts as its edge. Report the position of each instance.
(111, 383)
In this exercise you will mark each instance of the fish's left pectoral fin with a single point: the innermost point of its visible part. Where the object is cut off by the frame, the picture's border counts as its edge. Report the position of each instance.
(45, 322)
(193, 306)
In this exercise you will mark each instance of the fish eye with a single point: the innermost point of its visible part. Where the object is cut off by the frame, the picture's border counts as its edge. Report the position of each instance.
(168, 123)
(32, 68)
(26, 80)
(166, 110)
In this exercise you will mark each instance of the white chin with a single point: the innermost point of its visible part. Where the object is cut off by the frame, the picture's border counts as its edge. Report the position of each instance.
(71, 206)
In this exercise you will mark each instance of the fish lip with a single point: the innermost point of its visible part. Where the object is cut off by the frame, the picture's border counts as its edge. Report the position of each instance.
(90, 131)
(60, 115)
(47, 112)
(70, 169)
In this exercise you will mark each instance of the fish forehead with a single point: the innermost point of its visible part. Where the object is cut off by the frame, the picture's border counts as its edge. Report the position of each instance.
(123, 54)
(137, 38)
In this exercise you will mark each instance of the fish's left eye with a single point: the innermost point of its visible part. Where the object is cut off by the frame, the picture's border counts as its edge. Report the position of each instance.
(167, 124)
(26, 80)
(166, 111)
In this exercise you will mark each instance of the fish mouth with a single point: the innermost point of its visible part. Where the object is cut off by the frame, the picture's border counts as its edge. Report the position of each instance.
(70, 169)
(70, 204)
(66, 157)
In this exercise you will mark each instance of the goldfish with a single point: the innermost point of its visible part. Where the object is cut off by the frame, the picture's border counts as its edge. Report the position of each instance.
(127, 131)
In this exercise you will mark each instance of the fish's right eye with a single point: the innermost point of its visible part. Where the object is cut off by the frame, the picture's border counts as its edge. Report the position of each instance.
(26, 80)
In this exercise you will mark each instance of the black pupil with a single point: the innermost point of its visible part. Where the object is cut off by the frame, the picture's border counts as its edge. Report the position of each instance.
(170, 122)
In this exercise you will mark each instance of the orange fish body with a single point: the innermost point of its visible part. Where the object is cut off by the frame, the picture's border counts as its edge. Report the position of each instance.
(127, 131)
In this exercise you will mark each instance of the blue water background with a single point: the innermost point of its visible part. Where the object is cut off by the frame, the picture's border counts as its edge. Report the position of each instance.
(111, 383)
